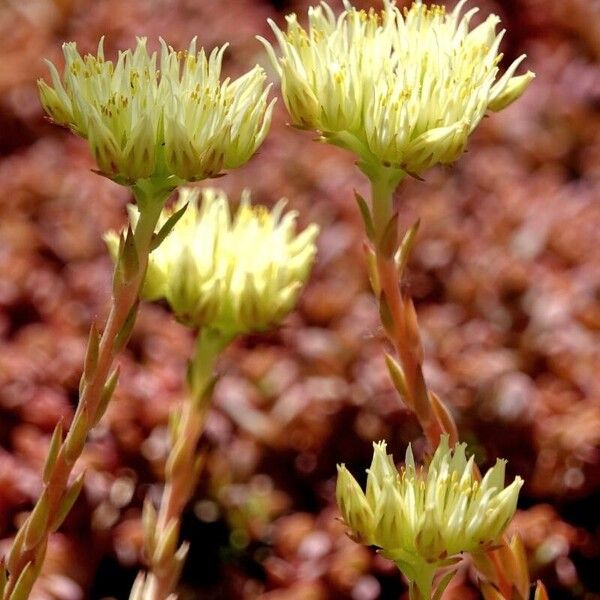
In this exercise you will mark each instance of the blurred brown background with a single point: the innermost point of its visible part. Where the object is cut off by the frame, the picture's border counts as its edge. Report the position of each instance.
(506, 275)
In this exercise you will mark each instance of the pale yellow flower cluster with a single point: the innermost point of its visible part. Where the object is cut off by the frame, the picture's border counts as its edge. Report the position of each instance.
(420, 517)
(236, 273)
(401, 89)
(154, 117)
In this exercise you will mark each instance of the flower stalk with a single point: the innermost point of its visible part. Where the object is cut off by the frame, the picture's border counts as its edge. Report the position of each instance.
(386, 258)
(25, 559)
(184, 464)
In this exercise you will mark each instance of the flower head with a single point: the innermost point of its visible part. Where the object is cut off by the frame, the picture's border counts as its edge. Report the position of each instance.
(402, 89)
(420, 517)
(154, 117)
(236, 273)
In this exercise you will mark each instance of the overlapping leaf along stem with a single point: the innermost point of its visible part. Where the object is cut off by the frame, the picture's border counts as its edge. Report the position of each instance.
(161, 531)
(24, 561)
(387, 256)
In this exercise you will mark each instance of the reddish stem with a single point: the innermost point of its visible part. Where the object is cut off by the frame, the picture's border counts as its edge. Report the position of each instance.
(404, 336)
(182, 469)
(124, 300)
(179, 488)
(404, 333)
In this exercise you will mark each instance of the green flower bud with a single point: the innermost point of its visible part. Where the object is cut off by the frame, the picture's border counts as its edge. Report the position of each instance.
(147, 120)
(420, 517)
(353, 505)
(402, 89)
(235, 273)
(507, 90)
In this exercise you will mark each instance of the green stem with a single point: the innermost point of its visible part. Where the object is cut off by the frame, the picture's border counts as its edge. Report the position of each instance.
(382, 194)
(209, 344)
(150, 209)
(421, 588)
(420, 575)
(383, 184)
(183, 468)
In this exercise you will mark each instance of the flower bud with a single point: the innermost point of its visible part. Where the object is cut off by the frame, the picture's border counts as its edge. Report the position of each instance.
(172, 120)
(420, 517)
(235, 273)
(353, 505)
(506, 92)
(402, 89)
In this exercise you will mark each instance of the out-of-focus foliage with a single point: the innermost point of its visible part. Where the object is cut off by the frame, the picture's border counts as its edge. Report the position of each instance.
(505, 273)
